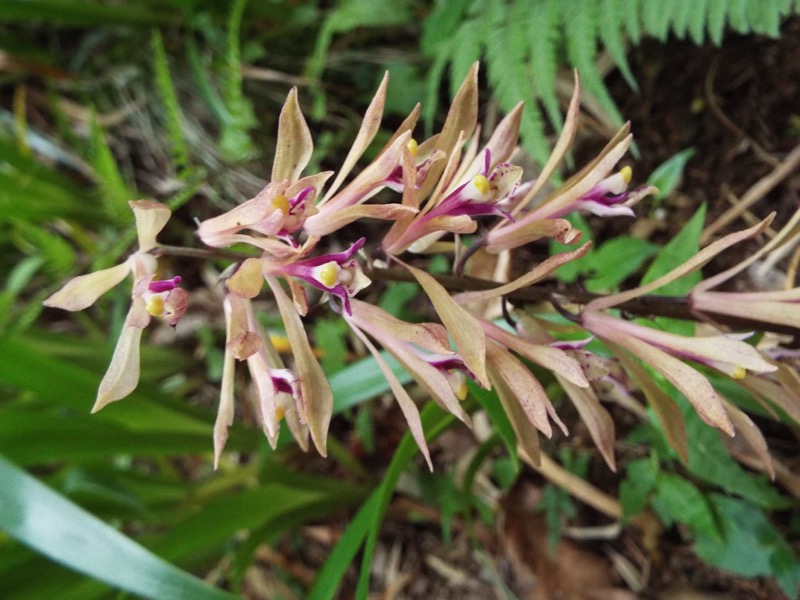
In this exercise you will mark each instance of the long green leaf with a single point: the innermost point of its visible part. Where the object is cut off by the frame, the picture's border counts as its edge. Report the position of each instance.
(42, 519)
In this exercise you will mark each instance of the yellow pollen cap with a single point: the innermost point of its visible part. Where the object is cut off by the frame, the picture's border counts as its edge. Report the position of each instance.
(155, 306)
(329, 274)
(281, 203)
(461, 392)
(739, 373)
(280, 412)
(412, 146)
(627, 174)
(482, 183)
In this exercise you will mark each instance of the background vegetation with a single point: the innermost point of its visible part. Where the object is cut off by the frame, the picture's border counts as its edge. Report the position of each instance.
(177, 100)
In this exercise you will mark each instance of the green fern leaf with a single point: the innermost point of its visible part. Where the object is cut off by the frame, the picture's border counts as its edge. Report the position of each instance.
(680, 17)
(448, 44)
(441, 23)
(169, 100)
(717, 16)
(765, 17)
(543, 23)
(236, 144)
(656, 18)
(581, 32)
(114, 191)
(609, 20)
(737, 16)
(698, 16)
(509, 74)
(629, 11)
(468, 41)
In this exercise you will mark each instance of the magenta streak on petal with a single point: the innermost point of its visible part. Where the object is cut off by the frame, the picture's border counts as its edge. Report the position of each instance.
(300, 197)
(164, 285)
(337, 257)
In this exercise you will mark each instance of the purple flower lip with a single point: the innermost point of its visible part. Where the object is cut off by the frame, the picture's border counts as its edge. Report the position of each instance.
(337, 273)
(164, 285)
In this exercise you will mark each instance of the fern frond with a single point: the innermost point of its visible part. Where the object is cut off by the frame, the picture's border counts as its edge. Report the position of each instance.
(543, 29)
(629, 13)
(469, 42)
(509, 74)
(656, 17)
(114, 191)
(453, 36)
(698, 16)
(236, 144)
(680, 17)
(169, 100)
(580, 23)
(525, 41)
(609, 22)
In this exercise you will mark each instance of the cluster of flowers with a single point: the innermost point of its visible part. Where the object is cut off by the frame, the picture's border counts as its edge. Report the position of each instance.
(444, 184)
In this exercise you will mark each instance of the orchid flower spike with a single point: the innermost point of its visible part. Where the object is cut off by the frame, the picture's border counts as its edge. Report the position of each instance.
(149, 298)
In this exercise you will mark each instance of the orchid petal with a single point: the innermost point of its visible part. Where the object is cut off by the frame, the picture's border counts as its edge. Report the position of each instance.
(783, 393)
(408, 125)
(747, 306)
(248, 279)
(689, 381)
(465, 329)
(407, 405)
(560, 149)
(597, 420)
(151, 217)
(294, 145)
(752, 436)
(369, 127)
(550, 358)
(84, 290)
(334, 221)
(367, 183)
(668, 413)
(694, 263)
(429, 336)
(522, 232)
(463, 114)
(234, 326)
(716, 350)
(539, 272)
(527, 437)
(522, 384)
(122, 375)
(316, 392)
(214, 231)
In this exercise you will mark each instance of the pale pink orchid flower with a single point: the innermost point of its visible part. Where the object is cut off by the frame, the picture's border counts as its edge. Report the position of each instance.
(288, 203)
(594, 189)
(423, 349)
(778, 307)
(149, 298)
(665, 351)
(276, 389)
(479, 183)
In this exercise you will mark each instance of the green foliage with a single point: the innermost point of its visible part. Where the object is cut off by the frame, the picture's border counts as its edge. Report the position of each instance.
(731, 530)
(525, 44)
(49, 523)
(114, 192)
(556, 503)
(750, 545)
(235, 144)
(169, 99)
(605, 267)
(667, 176)
(676, 252)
